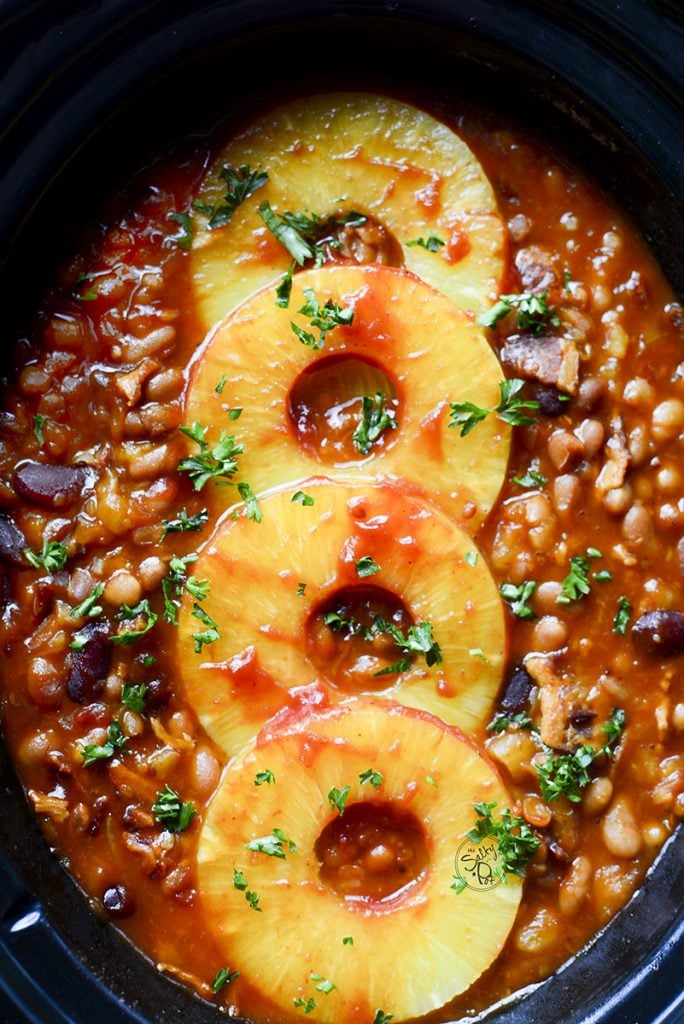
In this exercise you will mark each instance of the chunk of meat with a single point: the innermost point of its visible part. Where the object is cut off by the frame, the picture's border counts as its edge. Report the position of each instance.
(614, 469)
(130, 384)
(552, 699)
(545, 358)
(538, 269)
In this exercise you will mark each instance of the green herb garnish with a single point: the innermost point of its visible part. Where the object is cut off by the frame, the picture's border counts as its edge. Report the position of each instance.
(182, 237)
(133, 697)
(52, 556)
(224, 977)
(534, 312)
(265, 776)
(375, 419)
(240, 182)
(467, 415)
(518, 596)
(115, 741)
(208, 635)
(141, 614)
(274, 845)
(38, 424)
(89, 606)
(218, 463)
(622, 615)
(366, 566)
(252, 507)
(337, 798)
(370, 775)
(302, 499)
(171, 812)
(184, 523)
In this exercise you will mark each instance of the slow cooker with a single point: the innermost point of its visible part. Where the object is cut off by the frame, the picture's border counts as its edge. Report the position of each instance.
(88, 90)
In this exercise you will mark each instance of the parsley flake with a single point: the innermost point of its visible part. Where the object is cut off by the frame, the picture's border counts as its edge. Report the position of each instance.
(115, 740)
(622, 615)
(274, 845)
(502, 721)
(432, 243)
(208, 635)
(307, 1005)
(518, 596)
(322, 984)
(337, 798)
(370, 775)
(301, 589)
(38, 424)
(382, 1018)
(265, 776)
(366, 566)
(284, 289)
(184, 523)
(224, 977)
(517, 842)
(467, 415)
(375, 419)
(133, 697)
(252, 506)
(89, 606)
(302, 499)
(142, 616)
(324, 318)
(471, 558)
(240, 183)
(531, 479)
(182, 237)
(348, 940)
(534, 312)
(417, 640)
(568, 774)
(218, 463)
(171, 812)
(52, 556)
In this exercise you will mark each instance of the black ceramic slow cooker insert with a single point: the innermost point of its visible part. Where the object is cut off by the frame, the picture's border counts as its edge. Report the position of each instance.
(88, 90)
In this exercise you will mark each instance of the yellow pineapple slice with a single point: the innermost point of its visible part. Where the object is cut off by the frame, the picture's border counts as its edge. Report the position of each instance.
(301, 405)
(309, 932)
(357, 551)
(342, 152)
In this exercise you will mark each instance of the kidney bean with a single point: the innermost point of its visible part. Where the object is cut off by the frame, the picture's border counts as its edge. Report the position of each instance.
(89, 666)
(158, 693)
(517, 690)
(12, 543)
(118, 901)
(551, 402)
(660, 633)
(48, 485)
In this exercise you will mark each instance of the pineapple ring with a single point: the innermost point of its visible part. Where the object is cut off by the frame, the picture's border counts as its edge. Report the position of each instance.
(421, 341)
(261, 661)
(338, 152)
(432, 942)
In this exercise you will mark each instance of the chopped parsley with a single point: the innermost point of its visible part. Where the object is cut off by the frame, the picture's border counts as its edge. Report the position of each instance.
(322, 984)
(240, 183)
(324, 318)
(133, 697)
(432, 243)
(274, 845)
(337, 799)
(301, 589)
(348, 940)
(576, 585)
(143, 617)
(301, 498)
(517, 842)
(375, 419)
(477, 652)
(77, 288)
(224, 977)
(518, 596)
(307, 1005)
(171, 812)
(305, 234)
(534, 312)
(467, 415)
(283, 228)
(622, 615)
(52, 556)
(603, 576)
(182, 237)
(115, 741)
(223, 380)
(38, 424)
(471, 558)
(240, 883)
(208, 635)
(89, 606)
(568, 774)
(253, 508)
(176, 581)
(417, 640)
(382, 1018)
(218, 463)
(531, 479)
(234, 414)
(502, 721)
(284, 288)
(370, 775)
(265, 776)
(184, 523)
(366, 566)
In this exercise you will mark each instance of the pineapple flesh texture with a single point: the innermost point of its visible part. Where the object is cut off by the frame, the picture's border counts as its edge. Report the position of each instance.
(412, 953)
(428, 348)
(342, 152)
(260, 662)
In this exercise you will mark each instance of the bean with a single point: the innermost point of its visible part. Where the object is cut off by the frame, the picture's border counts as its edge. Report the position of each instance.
(205, 771)
(151, 572)
(539, 934)
(638, 392)
(597, 795)
(638, 444)
(637, 526)
(89, 666)
(12, 543)
(551, 402)
(678, 717)
(158, 693)
(44, 684)
(123, 588)
(591, 433)
(49, 486)
(621, 836)
(566, 492)
(547, 594)
(118, 901)
(575, 886)
(34, 749)
(131, 723)
(667, 420)
(517, 689)
(659, 633)
(591, 391)
(537, 509)
(536, 812)
(565, 450)
(165, 385)
(617, 500)
(550, 634)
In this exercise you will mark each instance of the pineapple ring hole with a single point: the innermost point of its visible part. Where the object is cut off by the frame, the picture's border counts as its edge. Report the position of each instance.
(342, 648)
(374, 851)
(325, 406)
